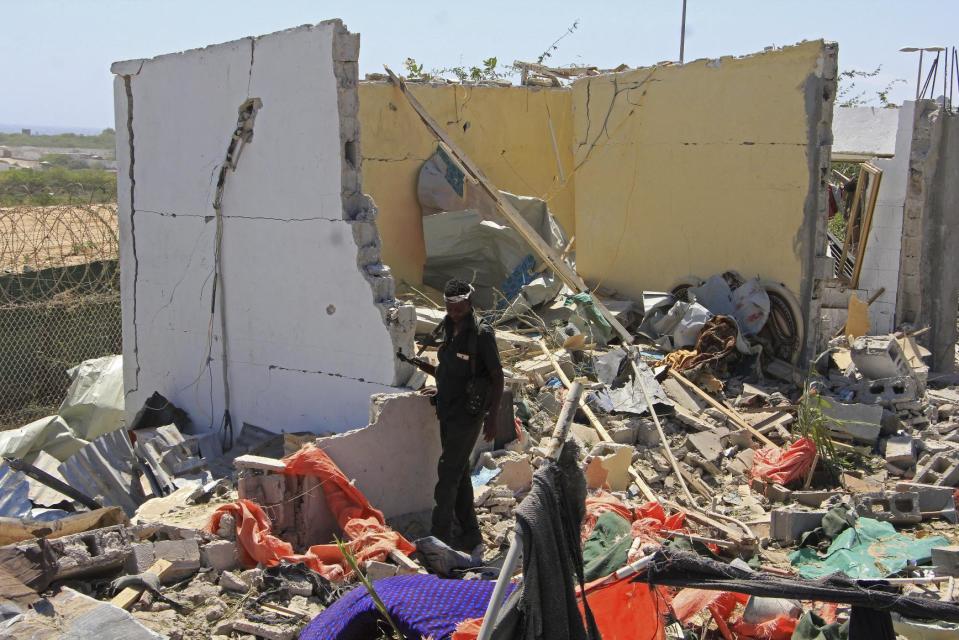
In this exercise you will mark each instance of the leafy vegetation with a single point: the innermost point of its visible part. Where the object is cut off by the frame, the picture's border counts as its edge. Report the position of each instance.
(488, 71)
(57, 185)
(106, 139)
(848, 94)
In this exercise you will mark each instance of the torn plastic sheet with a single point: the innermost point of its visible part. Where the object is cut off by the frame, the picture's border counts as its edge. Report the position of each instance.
(93, 406)
(629, 398)
(748, 303)
(481, 248)
(868, 549)
(924, 629)
(588, 320)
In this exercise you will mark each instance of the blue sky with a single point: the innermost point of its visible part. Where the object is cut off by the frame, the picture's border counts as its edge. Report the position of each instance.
(56, 53)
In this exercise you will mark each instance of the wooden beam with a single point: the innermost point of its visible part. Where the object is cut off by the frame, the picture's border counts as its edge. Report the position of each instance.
(680, 476)
(729, 413)
(128, 597)
(549, 256)
(644, 488)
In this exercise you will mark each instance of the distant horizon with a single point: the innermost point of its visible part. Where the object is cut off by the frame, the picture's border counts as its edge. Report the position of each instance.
(52, 130)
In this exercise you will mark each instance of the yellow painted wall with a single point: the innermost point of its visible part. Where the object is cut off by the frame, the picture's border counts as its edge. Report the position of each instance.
(693, 170)
(504, 130)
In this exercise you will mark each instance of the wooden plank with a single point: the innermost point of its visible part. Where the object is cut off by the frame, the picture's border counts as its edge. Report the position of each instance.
(405, 563)
(128, 597)
(546, 253)
(644, 488)
(729, 413)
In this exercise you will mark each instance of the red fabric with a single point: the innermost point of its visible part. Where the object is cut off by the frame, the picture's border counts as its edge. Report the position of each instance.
(652, 522)
(623, 610)
(599, 503)
(721, 606)
(364, 528)
(782, 467)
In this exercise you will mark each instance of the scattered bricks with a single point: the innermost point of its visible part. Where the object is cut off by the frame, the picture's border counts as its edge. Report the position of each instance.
(878, 357)
(481, 495)
(859, 422)
(946, 561)
(901, 451)
(184, 554)
(263, 630)
(262, 489)
(778, 493)
(616, 459)
(230, 581)
(813, 499)
(705, 465)
(897, 508)
(140, 559)
(220, 555)
(786, 526)
(515, 472)
(707, 444)
(379, 570)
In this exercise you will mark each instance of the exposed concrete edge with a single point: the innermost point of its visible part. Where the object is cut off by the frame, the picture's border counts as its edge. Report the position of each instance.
(810, 242)
(359, 209)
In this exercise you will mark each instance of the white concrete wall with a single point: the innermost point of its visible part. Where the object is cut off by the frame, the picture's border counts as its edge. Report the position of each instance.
(880, 266)
(865, 132)
(309, 338)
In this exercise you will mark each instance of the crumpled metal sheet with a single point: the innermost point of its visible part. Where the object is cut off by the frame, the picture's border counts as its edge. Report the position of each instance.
(41, 494)
(104, 470)
(629, 398)
(14, 493)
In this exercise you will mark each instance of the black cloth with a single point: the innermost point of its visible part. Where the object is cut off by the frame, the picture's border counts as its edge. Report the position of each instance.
(678, 569)
(867, 624)
(454, 371)
(453, 494)
(549, 520)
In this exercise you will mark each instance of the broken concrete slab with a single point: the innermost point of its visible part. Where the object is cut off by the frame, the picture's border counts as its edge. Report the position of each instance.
(946, 561)
(516, 472)
(616, 459)
(857, 422)
(77, 616)
(314, 365)
(220, 555)
(231, 581)
(707, 443)
(183, 554)
(140, 559)
(379, 570)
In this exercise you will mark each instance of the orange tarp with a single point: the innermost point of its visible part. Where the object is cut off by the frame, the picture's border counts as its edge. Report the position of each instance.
(364, 527)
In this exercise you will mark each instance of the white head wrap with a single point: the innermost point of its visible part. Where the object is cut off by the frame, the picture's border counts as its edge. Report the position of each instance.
(459, 298)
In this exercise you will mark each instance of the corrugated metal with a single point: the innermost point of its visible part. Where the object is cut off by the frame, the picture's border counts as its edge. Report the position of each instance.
(14, 489)
(40, 494)
(104, 470)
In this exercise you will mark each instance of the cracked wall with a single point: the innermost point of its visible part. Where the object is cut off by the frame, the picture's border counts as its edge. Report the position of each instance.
(520, 136)
(690, 170)
(309, 324)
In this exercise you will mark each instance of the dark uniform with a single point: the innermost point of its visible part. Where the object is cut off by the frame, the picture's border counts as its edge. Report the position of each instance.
(458, 428)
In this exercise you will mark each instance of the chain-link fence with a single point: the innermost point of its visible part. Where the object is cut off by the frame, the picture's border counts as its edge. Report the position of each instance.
(59, 294)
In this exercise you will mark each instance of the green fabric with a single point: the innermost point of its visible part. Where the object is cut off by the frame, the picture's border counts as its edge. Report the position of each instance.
(607, 547)
(836, 520)
(812, 627)
(870, 549)
(588, 319)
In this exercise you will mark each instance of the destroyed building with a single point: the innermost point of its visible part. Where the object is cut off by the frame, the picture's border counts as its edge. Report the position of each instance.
(748, 401)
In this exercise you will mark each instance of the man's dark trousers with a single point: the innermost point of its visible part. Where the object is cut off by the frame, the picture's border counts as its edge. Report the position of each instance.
(454, 491)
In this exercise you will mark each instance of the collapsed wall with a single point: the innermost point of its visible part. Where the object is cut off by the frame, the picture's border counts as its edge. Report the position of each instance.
(695, 169)
(246, 242)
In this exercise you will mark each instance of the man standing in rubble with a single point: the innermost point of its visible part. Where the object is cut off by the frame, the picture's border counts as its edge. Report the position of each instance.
(469, 387)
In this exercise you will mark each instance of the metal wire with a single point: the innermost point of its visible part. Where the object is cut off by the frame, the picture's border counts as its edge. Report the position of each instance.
(59, 296)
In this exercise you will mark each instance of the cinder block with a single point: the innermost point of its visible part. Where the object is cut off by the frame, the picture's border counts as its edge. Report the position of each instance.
(262, 489)
(897, 508)
(879, 357)
(946, 561)
(220, 555)
(931, 497)
(788, 525)
(184, 554)
(140, 559)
